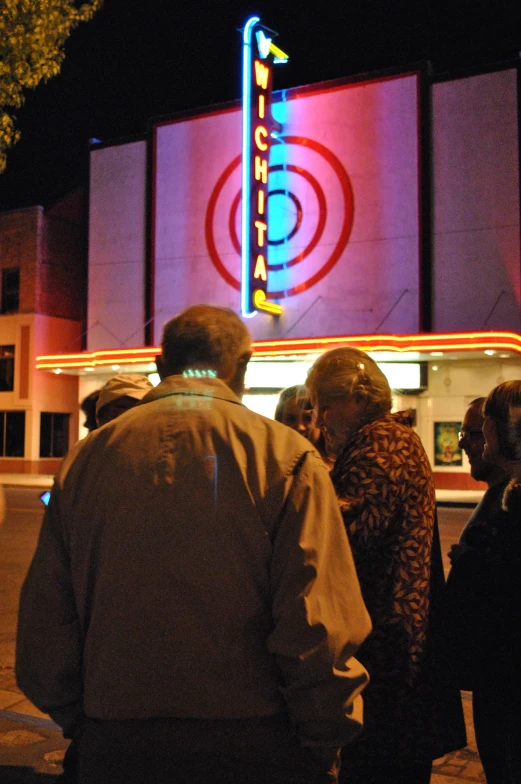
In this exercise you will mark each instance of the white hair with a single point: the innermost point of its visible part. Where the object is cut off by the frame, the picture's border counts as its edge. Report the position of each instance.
(347, 374)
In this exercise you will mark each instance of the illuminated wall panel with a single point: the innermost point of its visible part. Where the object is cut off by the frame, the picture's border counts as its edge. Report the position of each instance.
(476, 203)
(344, 217)
(116, 301)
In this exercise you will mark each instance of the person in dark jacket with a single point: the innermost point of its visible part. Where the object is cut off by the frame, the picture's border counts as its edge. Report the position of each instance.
(498, 565)
(473, 617)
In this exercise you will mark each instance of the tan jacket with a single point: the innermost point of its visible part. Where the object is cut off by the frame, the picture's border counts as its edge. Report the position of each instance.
(193, 563)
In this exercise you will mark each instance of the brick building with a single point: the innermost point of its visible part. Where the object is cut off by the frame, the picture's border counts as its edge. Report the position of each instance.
(42, 308)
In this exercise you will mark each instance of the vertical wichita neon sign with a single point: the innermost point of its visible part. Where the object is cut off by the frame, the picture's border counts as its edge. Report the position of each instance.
(259, 54)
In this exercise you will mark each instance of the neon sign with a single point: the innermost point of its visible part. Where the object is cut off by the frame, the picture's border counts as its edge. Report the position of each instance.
(258, 125)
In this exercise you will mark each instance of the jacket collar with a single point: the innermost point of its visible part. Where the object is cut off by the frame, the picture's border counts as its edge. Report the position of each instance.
(203, 387)
(402, 417)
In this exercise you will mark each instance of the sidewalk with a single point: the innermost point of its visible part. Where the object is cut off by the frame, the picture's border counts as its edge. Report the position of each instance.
(463, 765)
(31, 745)
(455, 497)
(27, 480)
(44, 481)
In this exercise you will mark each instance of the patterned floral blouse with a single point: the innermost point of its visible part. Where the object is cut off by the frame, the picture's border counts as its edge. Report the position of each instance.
(385, 489)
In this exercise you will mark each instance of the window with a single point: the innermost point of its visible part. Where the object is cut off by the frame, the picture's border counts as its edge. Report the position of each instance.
(6, 368)
(12, 433)
(10, 290)
(54, 434)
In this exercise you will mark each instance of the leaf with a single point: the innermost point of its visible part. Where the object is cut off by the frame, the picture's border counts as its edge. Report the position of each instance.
(32, 36)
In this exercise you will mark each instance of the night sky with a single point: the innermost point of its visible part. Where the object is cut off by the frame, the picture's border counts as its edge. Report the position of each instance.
(141, 59)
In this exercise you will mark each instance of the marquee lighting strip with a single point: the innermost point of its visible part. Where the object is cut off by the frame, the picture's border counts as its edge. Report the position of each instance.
(459, 341)
(464, 341)
(93, 359)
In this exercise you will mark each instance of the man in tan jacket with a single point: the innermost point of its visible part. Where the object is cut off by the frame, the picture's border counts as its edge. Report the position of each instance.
(192, 610)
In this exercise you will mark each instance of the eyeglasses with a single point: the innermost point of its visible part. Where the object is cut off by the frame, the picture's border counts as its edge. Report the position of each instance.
(472, 435)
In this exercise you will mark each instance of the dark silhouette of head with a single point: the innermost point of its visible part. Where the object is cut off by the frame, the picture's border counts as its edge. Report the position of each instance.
(472, 441)
(88, 406)
(502, 425)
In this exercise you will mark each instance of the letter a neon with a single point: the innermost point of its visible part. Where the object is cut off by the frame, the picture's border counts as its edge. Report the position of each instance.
(260, 268)
(261, 74)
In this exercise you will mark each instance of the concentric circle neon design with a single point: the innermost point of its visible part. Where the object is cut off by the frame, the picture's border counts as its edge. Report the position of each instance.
(345, 232)
(321, 199)
(237, 200)
(298, 219)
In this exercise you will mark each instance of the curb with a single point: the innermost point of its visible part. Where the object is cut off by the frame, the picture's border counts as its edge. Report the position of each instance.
(25, 718)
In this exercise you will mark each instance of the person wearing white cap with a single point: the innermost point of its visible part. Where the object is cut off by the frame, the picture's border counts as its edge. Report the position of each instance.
(119, 394)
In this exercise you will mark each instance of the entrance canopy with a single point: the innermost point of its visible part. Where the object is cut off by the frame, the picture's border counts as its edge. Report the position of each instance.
(385, 348)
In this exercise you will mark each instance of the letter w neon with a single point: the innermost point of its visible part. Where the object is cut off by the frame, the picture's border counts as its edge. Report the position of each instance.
(261, 74)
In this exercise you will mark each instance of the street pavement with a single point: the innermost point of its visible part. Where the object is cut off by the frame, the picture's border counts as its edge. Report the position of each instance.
(31, 745)
(462, 765)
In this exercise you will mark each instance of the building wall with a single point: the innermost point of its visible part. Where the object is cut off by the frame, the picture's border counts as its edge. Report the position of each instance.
(476, 231)
(475, 225)
(21, 239)
(49, 249)
(477, 270)
(452, 385)
(349, 157)
(51, 392)
(62, 275)
(116, 301)
(35, 391)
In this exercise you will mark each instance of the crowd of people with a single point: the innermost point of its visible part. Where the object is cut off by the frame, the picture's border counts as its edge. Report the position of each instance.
(221, 597)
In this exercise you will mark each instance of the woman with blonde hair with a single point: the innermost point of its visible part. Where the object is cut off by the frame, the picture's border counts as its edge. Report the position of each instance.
(294, 409)
(386, 494)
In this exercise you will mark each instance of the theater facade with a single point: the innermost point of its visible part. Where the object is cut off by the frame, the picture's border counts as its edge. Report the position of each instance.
(381, 212)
